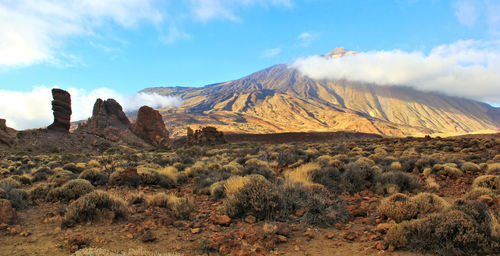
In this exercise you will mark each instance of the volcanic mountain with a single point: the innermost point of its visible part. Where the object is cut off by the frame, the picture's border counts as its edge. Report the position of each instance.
(281, 99)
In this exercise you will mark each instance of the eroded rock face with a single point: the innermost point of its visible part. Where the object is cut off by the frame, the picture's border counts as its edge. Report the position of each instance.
(204, 136)
(150, 127)
(7, 212)
(61, 106)
(106, 114)
(5, 137)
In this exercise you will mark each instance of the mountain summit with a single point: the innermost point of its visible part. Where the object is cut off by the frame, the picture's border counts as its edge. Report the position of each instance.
(281, 99)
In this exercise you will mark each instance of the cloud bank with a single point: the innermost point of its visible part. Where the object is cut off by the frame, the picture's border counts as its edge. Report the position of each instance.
(468, 69)
(25, 110)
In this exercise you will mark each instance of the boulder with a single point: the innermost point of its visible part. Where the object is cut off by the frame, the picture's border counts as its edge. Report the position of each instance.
(204, 136)
(106, 114)
(150, 127)
(61, 106)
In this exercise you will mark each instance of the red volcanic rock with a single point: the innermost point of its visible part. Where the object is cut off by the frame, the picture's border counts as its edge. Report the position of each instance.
(150, 127)
(106, 114)
(128, 177)
(61, 106)
(204, 136)
(222, 220)
(5, 137)
(7, 213)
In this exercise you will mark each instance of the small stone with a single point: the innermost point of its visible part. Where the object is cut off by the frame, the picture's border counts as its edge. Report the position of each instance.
(282, 239)
(222, 220)
(250, 219)
(329, 235)
(296, 248)
(391, 248)
(380, 245)
(195, 230)
(300, 212)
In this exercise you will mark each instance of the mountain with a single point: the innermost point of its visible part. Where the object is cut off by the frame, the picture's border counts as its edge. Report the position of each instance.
(281, 99)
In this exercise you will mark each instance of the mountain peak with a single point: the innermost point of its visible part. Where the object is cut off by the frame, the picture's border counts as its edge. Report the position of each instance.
(339, 52)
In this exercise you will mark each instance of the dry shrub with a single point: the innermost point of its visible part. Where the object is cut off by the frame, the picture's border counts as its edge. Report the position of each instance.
(41, 173)
(328, 176)
(475, 193)
(396, 166)
(488, 181)
(71, 190)
(397, 207)
(253, 195)
(470, 167)
(181, 207)
(427, 203)
(91, 206)
(358, 175)
(127, 177)
(405, 181)
(170, 172)
(303, 173)
(61, 176)
(73, 168)
(326, 160)
(255, 166)
(94, 176)
(450, 171)
(432, 184)
(217, 189)
(493, 168)
(466, 228)
(196, 168)
(152, 177)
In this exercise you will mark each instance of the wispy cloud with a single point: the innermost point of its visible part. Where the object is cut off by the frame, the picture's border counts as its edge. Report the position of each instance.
(33, 109)
(478, 12)
(33, 31)
(269, 53)
(306, 38)
(205, 10)
(465, 68)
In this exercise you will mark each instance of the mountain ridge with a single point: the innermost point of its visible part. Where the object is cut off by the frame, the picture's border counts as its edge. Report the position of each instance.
(281, 99)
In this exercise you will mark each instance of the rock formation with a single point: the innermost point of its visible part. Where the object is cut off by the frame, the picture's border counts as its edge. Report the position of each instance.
(204, 136)
(150, 127)
(5, 137)
(61, 105)
(7, 212)
(106, 114)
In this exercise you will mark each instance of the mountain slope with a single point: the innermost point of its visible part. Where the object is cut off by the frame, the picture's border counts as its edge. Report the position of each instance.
(280, 99)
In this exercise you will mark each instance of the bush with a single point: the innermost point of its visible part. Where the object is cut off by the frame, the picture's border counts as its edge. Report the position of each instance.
(71, 190)
(41, 173)
(251, 194)
(427, 203)
(463, 229)
(40, 191)
(488, 181)
(90, 206)
(217, 190)
(152, 177)
(475, 193)
(73, 168)
(181, 207)
(404, 181)
(493, 168)
(358, 176)
(95, 176)
(303, 173)
(127, 177)
(61, 176)
(254, 166)
(470, 167)
(397, 207)
(329, 177)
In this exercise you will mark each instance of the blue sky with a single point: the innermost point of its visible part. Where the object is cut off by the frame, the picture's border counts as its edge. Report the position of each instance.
(128, 45)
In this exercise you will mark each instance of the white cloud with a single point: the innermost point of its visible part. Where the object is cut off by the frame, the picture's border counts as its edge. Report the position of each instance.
(306, 38)
(466, 12)
(33, 31)
(271, 52)
(205, 10)
(465, 68)
(24, 110)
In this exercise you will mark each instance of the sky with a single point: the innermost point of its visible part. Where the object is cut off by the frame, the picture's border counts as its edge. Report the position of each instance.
(116, 48)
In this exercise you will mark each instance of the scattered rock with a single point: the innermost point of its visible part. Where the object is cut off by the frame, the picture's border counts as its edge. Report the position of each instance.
(329, 235)
(204, 136)
(61, 106)
(195, 230)
(380, 245)
(250, 219)
(222, 220)
(7, 213)
(283, 229)
(270, 228)
(282, 239)
(150, 127)
(300, 212)
(128, 177)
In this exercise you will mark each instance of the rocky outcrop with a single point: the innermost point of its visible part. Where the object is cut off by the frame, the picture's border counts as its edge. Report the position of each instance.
(150, 127)
(5, 137)
(106, 114)
(204, 136)
(7, 212)
(61, 106)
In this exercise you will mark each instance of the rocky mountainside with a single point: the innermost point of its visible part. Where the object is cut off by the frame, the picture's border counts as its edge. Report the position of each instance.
(280, 99)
